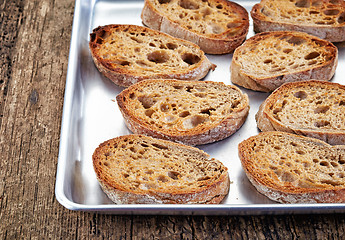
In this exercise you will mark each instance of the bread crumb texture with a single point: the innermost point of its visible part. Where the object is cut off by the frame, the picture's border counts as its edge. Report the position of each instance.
(143, 165)
(220, 19)
(278, 53)
(142, 51)
(292, 168)
(309, 105)
(181, 107)
(304, 12)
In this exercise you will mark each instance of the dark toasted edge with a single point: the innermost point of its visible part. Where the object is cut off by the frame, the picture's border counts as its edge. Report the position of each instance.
(211, 194)
(125, 78)
(321, 72)
(263, 24)
(212, 133)
(290, 194)
(210, 45)
(266, 122)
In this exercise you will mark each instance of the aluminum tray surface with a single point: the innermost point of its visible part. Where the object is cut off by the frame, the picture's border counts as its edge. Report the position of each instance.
(91, 116)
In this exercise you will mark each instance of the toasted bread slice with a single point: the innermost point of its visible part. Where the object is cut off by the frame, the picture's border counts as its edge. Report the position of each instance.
(267, 60)
(217, 26)
(140, 169)
(188, 112)
(290, 168)
(322, 18)
(310, 108)
(127, 54)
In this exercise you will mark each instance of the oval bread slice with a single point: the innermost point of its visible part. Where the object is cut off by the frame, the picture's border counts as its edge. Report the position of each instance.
(188, 112)
(322, 18)
(127, 54)
(139, 169)
(290, 168)
(267, 60)
(217, 26)
(311, 108)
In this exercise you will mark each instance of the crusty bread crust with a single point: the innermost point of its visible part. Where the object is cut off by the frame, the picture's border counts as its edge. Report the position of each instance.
(192, 113)
(115, 159)
(280, 57)
(314, 109)
(127, 54)
(289, 168)
(324, 19)
(227, 22)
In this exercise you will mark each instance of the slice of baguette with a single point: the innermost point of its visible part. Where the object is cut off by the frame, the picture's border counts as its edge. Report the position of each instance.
(311, 108)
(322, 18)
(188, 112)
(140, 169)
(267, 60)
(127, 54)
(217, 26)
(289, 168)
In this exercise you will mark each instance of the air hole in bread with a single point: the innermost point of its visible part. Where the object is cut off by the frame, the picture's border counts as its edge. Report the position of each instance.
(267, 61)
(194, 121)
(136, 39)
(174, 175)
(203, 178)
(200, 95)
(206, 11)
(287, 177)
(207, 111)
(321, 109)
(341, 161)
(334, 164)
(324, 163)
(188, 4)
(184, 114)
(171, 46)
(147, 102)
(164, 1)
(152, 45)
(142, 63)
(331, 12)
(233, 25)
(295, 40)
(164, 107)
(321, 123)
(314, 12)
(99, 41)
(316, 3)
(162, 178)
(312, 55)
(342, 103)
(300, 152)
(341, 18)
(301, 95)
(122, 62)
(149, 112)
(158, 57)
(302, 3)
(159, 146)
(190, 58)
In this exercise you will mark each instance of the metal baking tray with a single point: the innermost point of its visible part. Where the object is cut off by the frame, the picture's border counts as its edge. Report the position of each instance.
(91, 116)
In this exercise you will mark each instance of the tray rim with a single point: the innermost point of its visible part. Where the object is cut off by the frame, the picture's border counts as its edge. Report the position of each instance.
(157, 209)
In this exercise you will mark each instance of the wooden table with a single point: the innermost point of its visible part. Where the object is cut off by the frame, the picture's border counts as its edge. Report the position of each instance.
(34, 45)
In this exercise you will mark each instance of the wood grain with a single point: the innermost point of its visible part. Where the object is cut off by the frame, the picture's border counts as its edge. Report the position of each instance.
(34, 45)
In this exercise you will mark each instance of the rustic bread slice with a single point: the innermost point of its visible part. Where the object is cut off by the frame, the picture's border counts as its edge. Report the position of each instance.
(267, 60)
(217, 26)
(188, 112)
(311, 108)
(290, 168)
(140, 169)
(322, 18)
(127, 54)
